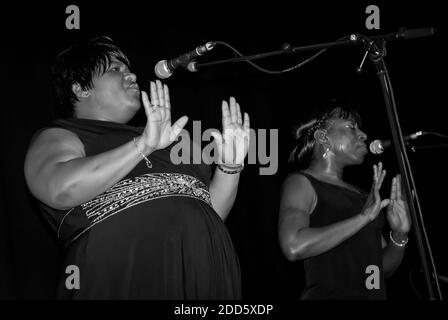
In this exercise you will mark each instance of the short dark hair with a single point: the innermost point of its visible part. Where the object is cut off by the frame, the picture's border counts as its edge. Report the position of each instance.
(79, 64)
(302, 154)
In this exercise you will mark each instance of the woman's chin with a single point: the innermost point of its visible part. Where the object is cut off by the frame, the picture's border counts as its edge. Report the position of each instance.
(360, 159)
(135, 105)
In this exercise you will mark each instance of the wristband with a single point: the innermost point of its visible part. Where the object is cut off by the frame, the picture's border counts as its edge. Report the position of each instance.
(402, 244)
(148, 163)
(229, 170)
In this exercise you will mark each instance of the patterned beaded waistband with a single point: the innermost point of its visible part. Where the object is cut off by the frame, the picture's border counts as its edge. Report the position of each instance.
(128, 193)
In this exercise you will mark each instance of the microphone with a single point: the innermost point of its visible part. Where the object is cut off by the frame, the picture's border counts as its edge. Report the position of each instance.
(415, 33)
(407, 34)
(378, 146)
(164, 69)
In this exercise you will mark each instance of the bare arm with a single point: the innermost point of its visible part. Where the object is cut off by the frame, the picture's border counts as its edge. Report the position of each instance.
(400, 223)
(392, 254)
(297, 239)
(232, 147)
(59, 174)
(223, 190)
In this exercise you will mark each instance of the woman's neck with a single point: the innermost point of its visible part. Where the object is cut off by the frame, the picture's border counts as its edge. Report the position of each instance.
(326, 169)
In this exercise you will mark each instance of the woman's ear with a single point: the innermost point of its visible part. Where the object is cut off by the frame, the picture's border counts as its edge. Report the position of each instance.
(320, 135)
(79, 92)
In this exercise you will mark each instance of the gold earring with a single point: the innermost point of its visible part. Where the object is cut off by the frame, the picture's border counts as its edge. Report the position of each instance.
(325, 155)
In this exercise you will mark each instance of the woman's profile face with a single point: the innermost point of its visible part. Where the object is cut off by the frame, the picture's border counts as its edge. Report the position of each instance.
(117, 92)
(347, 141)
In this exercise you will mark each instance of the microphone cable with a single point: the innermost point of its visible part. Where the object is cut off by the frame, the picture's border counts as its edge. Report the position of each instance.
(301, 64)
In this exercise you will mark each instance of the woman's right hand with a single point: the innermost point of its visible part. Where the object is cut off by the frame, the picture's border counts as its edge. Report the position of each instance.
(374, 204)
(159, 133)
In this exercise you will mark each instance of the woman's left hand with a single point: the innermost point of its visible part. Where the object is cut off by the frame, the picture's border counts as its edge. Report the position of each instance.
(397, 211)
(233, 144)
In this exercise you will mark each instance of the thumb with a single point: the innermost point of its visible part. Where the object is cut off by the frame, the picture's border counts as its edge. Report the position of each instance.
(384, 203)
(218, 139)
(177, 127)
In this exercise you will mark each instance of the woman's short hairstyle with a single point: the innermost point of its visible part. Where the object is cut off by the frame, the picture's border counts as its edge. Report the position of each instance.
(80, 64)
(305, 142)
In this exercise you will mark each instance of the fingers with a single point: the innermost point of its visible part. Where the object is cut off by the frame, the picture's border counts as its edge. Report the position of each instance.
(160, 93)
(233, 114)
(154, 95)
(393, 190)
(246, 123)
(381, 178)
(160, 97)
(225, 114)
(398, 186)
(375, 177)
(378, 175)
(166, 94)
(146, 104)
(167, 105)
(238, 114)
(379, 168)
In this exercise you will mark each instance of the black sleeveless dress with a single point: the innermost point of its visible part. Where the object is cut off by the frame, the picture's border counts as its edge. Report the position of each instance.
(341, 272)
(153, 235)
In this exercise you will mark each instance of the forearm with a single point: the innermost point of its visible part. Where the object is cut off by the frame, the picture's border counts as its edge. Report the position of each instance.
(79, 180)
(309, 242)
(223, 189)
(393, 254)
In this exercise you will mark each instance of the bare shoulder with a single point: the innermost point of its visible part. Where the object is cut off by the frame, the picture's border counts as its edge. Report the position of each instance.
(297, 180)
(298, 200)
(298, 192)
(55, 139)
(48, 148)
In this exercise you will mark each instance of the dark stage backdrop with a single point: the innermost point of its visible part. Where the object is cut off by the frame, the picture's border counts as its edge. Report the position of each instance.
(32, 35)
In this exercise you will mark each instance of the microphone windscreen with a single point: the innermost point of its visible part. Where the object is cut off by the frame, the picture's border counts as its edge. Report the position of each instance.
(375, 147)
(161, 70)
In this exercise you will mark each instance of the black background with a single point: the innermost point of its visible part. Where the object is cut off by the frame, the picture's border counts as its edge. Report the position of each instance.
(32, 35)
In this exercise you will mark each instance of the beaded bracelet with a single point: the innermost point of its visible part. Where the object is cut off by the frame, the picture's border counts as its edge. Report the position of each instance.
(224, 168)
(148, 163)
(402, 244)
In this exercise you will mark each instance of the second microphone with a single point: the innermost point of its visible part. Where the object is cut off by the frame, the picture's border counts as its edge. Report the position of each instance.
(378, 146)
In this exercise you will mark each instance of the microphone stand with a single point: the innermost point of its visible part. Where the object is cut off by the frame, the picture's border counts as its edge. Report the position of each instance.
(375, 48)
(377, 52)
(402, 33)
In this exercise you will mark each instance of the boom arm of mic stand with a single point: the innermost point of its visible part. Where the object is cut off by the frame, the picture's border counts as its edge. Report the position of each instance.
(335, 44)
(343, 42)
(405, 168)
(239, 59)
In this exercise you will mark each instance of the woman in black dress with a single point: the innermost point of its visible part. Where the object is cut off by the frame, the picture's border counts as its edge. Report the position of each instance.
(333, 226)
(135, 225)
